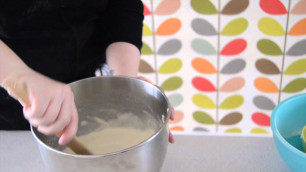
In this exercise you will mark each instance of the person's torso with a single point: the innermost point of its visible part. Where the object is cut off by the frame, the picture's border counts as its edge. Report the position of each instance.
(59, 38)
(62, 39)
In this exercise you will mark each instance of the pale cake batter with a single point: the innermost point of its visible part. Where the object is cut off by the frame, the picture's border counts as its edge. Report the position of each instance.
(115, 135)
(113, 139)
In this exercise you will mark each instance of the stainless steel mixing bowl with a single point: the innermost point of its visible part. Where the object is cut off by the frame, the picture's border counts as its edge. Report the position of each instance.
(106, 98)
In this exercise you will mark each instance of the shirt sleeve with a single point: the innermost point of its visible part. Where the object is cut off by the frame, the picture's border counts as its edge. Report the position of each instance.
(125, 21)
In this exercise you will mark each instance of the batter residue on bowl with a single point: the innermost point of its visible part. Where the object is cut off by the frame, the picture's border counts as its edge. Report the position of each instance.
(113, 139)
(113, 136)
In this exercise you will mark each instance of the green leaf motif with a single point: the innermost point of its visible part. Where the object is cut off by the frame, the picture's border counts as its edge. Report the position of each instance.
(295, 86)
(146, 31)
(203, 7)
(270, 27)
(232, 102)
(296, 68)
(146, 50)
(259, 131)
(268, 47)
(203, 118)
(233, 130)
(172, 84)
(203, 101)
(171, 66)
(235, 27)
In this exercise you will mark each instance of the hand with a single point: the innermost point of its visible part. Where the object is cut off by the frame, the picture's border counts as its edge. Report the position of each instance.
(47, 104)
(172, 111)
(172, 116)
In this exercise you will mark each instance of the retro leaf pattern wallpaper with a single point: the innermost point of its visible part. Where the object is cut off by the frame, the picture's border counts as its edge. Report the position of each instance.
(225, 64)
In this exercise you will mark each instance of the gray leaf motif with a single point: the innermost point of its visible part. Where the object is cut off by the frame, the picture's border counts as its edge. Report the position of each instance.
(263, 103)
(176, 99)
(203, 47)
(200, 129)
(203, 27)
(234, 67)
(170, 47)
(298, 49)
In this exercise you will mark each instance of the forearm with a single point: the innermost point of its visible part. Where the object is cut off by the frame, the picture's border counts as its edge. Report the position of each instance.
(123, 58)
(9, 61)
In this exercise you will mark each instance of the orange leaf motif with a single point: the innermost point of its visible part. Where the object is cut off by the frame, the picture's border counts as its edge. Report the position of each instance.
(169, 27)
(177, 128)
(265, 85)
(299, 28)
(203, 66)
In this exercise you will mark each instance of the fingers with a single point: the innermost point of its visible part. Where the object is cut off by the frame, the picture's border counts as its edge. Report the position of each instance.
(172, 113)
(37, 110)
(47, 104)
(172, 116)
(60, 117)
(70, 131)
(145, 79)
(171, 138)
(50, 115)
(63, 119)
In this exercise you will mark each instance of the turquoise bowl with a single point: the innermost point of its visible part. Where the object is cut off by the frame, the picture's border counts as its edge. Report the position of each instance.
(287, 122)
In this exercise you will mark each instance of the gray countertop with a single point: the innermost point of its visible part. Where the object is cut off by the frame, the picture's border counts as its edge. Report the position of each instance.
(19, 153)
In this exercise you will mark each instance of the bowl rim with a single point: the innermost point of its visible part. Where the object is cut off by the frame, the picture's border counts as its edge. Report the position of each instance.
(163, 126)
(275, 131)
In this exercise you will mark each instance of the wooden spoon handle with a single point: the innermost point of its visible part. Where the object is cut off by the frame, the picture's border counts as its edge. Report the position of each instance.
(19, 91)
(76, 146)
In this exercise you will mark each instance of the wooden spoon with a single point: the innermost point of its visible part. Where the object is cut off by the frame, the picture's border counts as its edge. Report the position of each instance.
(19, 91)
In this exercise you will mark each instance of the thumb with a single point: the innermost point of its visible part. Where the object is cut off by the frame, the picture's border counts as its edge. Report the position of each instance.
(145, 79)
